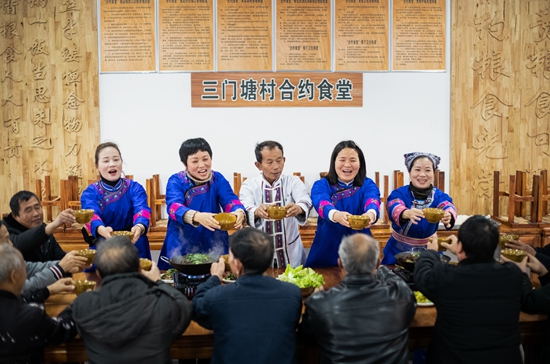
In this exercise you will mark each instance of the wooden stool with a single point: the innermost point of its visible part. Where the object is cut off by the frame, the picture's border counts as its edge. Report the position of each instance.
(155, 199)
(46, 199)
(237, 182)
(518, 196)
(299, 175)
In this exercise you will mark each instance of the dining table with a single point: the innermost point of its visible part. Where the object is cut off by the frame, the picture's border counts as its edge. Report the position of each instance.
(197, 342)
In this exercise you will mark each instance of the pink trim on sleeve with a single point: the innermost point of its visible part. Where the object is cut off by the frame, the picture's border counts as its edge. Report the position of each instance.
(173, 209)
(146, 214)
(322, 205)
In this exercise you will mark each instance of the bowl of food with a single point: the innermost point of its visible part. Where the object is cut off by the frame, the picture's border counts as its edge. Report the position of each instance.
(442, 240)
(83, 216)
(81, 286)
(358, 222)
(433, 215)
(125, 233)
(276, 212)
(514, 255)
(145, 264)
(503, 239)
(89, 254)
(226, 220)
(307, 291)
(305, 278)
(229, 277)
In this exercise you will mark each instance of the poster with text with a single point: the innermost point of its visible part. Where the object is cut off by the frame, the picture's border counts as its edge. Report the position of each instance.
(186, 35)
(244, 40)
(418, 35)
(361, 35)
(127, 35)
(303, 35)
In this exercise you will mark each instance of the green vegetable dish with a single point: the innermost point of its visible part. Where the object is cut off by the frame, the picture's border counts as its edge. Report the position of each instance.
(169, 274)
(196, 258)
(302, 277)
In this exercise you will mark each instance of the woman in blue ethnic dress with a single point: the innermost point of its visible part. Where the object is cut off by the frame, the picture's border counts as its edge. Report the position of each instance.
(409, 227)
(118, 203)
(346, 190)
(193, 197)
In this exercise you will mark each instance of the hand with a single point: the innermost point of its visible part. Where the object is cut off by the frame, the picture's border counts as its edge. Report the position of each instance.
(64, 217)
(293, 210)
(414, 214)
(535, 265)
(240, 218)
(105, 231)
(72, 263)
(522, 265)
(207, 220)
(453, 246)
(137, 230)
(446, 220)
(516, 244)
(64, 285)
(218, 268)
(261, 212)
(372, 218)
(432, 243)
(153, 274)
(341, 217)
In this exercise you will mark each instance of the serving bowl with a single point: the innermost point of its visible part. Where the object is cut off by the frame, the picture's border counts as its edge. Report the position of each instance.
(145, 264)
(442, 240)
(83, 216)
(308, 291)
(358, 222)
(89, 254)
(506, 238)
(433, 215)
(81, 286)
(515, 255)
(226, 220)
(276, 212)
(125, 233)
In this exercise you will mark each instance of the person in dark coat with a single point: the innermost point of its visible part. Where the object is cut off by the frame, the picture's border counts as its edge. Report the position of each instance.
(254, 319)
(366, 318)
(133, 317)
(478, 301)
(24, 328)
(29, 233)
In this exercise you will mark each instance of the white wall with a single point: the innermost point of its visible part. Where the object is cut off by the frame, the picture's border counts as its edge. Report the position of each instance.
(150, 115)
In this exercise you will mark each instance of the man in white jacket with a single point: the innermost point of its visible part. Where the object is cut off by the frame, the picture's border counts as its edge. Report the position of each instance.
(272, 187)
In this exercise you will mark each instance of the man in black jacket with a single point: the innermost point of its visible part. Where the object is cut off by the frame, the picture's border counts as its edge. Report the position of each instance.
(364, 319)
(133, 317)
(478, 301)
(29, 233)
(25, 329)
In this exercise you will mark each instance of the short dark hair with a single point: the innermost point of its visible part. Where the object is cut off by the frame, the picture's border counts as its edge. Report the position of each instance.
(332, 176)
(253, 248)
(21, 196)
(270, 145)
(479, 238)
(116, 255)
(192, 146)
(103, 146)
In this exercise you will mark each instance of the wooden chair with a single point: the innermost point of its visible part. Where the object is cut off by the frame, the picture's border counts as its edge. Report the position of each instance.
(68, 191)
(439, 180)
(48, 201)
(237, 182)
(518, 197)
(398, 179)
(383, 198)
(299, 175)
(155, 199)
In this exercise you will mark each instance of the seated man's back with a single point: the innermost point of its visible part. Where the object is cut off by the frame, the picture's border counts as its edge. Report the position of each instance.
(255, 319)
(130, 319)
(478, 301)
(365, 319)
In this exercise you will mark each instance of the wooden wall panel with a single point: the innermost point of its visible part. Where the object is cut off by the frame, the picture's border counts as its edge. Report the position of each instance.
(49, 100)
(500, 84)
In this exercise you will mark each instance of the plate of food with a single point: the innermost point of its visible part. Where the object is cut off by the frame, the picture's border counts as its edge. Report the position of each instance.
(421, 300)
(168, 276)
(229, 277)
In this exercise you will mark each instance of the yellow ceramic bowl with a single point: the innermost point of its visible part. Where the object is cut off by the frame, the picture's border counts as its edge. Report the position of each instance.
(506, 238)
(125, 233)
(276, 212)
(433, 215)
(89, 254)
(145, 264)
(358, 222)
(226, 259)
(442, 240)
(82, 286)
(226, 220)
(515, 255)
(306, 292)
(83, 216)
